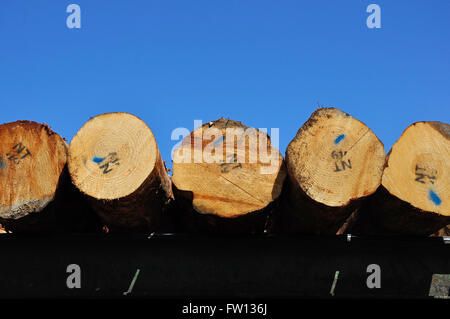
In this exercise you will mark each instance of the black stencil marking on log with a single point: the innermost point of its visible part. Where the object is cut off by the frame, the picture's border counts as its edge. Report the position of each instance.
(423, 173)
(339, 155)
(349, 164)
(337, 167)
(109, 160)
(27, 154)
(12, 157)
(18, 149)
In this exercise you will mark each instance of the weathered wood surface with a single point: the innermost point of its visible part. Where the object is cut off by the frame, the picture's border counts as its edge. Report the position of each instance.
(414, 197)
(114, 160)
(227, 177)
(32, 159)
(333, 162)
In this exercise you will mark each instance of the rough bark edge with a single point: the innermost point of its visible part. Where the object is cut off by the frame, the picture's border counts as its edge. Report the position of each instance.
(224, 123)
(31, 125)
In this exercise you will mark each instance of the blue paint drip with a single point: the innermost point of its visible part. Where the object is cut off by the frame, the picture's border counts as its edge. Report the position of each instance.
(97, 159)
(2, 165)
(435, 198)
(339, 138)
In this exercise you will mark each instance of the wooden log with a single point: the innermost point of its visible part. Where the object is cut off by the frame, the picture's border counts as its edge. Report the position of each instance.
(37, 195)
(227, 178)
(32, 160)
(333, 162)
(414, 197)
(114, 160)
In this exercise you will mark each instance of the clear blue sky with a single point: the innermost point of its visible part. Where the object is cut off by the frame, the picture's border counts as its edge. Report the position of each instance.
(265, 63)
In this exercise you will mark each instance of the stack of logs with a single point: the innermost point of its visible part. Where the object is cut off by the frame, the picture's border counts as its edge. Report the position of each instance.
(227, 178)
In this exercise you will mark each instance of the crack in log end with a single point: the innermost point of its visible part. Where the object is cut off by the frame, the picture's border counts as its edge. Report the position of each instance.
(359, 139)
(240, 188)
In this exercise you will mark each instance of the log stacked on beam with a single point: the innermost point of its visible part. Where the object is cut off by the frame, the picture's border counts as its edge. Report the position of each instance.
(333, 162)
(114, 160)
(227, 178)
(414, 196)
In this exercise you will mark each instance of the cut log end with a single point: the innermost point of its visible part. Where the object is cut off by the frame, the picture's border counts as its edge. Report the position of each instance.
(228, 169)
(418, 167)
(115, 161)
(32, 158)
(335, 158)
(112, 155)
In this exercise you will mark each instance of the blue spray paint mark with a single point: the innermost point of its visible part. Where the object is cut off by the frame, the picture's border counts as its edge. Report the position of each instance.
(2, 165)
(339, 138)
(97, 159)
(435, 198)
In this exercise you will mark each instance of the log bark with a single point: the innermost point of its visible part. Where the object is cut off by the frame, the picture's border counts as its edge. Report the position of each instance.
(114, 160)
(32, 160)
(413, 199)
(227, 178)
(333, 163)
